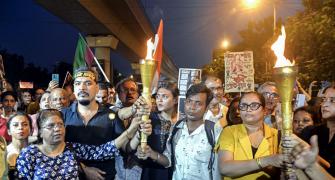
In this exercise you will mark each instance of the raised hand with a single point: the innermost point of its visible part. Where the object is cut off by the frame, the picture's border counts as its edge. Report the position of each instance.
(305, 156)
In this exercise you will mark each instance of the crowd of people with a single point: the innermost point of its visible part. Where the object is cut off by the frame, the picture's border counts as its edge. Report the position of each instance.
(93, 131)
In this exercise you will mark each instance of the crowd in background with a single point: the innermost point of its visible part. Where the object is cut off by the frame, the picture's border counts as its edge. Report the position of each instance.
(91, 130)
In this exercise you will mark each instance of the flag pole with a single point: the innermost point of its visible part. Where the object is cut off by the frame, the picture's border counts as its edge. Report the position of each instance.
(96, 61)
(102, 71)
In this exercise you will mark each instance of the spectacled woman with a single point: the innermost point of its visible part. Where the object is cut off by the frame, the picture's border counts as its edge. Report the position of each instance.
(56, 159)
(249, 150)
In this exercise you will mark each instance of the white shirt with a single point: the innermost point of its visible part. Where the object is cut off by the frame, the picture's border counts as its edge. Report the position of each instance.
(216, 118)
(192, 154)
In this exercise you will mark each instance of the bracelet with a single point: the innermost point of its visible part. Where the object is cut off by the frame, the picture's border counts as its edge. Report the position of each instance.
(258, 161)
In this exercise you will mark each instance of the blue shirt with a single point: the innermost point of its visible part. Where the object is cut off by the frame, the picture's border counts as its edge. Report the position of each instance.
(104, 126)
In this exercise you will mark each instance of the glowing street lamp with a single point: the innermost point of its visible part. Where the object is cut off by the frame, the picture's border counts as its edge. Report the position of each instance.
(225, 44)
(251, 3)
(254, 3)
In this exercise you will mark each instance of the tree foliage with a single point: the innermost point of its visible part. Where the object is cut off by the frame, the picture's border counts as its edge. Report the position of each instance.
(310, 42)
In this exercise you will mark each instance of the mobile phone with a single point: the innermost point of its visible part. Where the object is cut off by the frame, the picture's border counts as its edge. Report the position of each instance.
(55, 77)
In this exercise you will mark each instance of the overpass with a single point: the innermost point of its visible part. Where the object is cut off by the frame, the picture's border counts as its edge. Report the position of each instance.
(118, 25)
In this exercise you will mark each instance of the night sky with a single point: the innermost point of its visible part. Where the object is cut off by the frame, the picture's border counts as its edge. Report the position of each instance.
(192, 29)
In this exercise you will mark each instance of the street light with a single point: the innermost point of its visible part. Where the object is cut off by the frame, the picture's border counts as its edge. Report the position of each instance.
(251, 3)
(225, 44)
(254, 3)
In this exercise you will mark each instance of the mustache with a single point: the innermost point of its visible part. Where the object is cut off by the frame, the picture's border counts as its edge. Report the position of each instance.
(83, 93)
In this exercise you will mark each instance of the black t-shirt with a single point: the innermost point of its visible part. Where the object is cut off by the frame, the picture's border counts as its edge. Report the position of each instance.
(157, 142)
(326, 148)
(103, 127)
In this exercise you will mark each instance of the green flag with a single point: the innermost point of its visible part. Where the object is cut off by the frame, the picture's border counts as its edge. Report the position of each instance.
(84, 56)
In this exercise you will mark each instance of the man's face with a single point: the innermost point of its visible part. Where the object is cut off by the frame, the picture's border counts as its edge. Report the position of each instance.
(128, 94)
(102, 96)
(195, 106)
(9, 103)
(59, 99)
(215, 85)
(328, 104)
(85, 90)
(44, 102)
(271, 96)
(26, 98)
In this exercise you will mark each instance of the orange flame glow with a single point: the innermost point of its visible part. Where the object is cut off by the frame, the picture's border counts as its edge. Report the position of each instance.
(278, 48)
(150, 49)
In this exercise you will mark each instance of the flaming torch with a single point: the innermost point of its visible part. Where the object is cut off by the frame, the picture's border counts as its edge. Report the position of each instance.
(284, 75)
(147, 68)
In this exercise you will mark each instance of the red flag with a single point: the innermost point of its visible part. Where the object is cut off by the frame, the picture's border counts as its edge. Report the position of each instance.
(158, 56)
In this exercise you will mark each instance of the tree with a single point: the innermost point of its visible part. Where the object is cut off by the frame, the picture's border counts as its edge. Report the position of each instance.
(16, 70)
(311, 41)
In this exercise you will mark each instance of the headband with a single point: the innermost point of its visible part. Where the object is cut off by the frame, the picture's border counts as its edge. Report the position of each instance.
(85, 74)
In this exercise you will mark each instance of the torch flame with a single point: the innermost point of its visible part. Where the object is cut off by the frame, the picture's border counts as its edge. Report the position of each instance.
(278, 48)
(150, 49)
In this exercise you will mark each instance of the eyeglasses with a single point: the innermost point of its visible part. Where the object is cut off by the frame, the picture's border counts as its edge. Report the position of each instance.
(330, 99)
(52, 126)
(270, 95)
(253, 106)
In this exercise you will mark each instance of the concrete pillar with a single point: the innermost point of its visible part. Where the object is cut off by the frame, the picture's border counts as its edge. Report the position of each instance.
(103, 46)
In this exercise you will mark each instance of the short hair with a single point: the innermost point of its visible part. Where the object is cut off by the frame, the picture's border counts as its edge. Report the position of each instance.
(45, 114)
(261, 87)
(83, 69)
(260, 97)
(120, 84)
(19, 113)
(8, 93)
(200, 88)
(171, 86)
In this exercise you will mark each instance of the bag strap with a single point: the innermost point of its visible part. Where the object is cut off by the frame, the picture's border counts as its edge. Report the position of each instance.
(174, 131)
(209, 129)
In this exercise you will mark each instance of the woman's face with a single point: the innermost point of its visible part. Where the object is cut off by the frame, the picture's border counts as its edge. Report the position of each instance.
(19, 128)
(53, 130)
(301, 120)
(165, 100)
(251, 109)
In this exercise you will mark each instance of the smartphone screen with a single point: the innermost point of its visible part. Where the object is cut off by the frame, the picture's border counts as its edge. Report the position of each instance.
(55, 77)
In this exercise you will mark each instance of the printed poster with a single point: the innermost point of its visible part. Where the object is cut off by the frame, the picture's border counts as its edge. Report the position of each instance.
(239, 71)
(186, 78)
